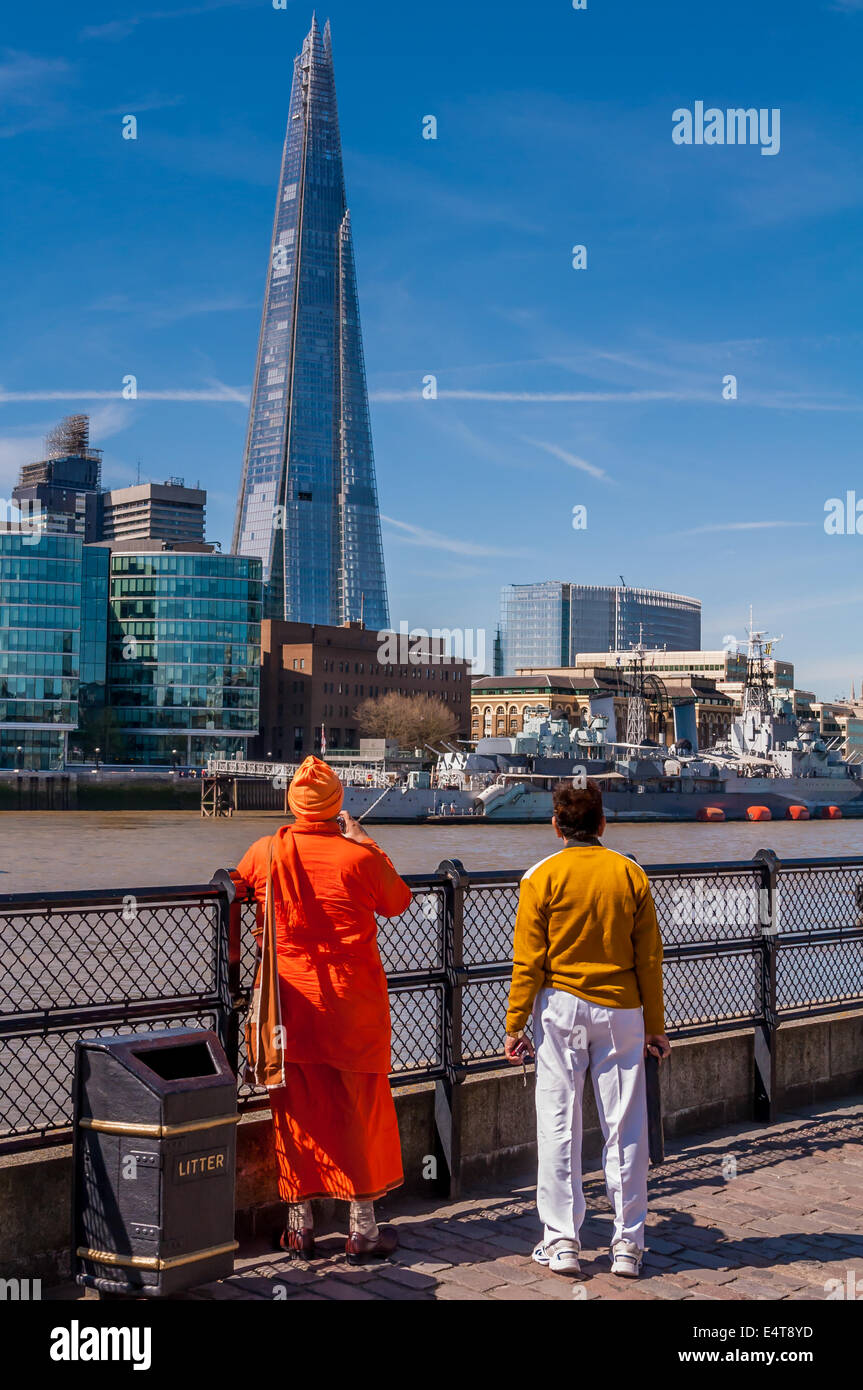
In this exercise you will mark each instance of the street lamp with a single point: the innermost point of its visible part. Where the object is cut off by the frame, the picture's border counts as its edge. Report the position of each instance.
(18, 751)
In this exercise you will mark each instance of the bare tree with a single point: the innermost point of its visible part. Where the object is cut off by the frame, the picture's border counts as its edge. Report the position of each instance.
(412, 719)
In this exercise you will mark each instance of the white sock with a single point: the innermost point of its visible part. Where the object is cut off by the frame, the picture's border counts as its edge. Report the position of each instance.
(362, 1220)
(300, 1216)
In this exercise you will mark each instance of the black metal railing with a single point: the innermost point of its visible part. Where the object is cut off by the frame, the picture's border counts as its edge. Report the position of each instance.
(747, 944)
(100, 962)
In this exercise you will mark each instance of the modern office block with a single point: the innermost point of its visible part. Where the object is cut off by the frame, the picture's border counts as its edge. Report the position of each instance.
(183, 655)
(545, 625)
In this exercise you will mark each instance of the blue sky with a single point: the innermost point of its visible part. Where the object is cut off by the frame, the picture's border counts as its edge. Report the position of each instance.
(554, 129)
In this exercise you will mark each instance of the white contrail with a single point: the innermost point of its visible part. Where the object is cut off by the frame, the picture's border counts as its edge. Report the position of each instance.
(761, 400)
(433, 540)
(572, 459)
(741, 526)
(215, 393)
(540, 396)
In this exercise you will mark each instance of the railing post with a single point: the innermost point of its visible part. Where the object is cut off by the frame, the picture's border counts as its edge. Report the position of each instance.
(767, 1023)
(230, 951)
(448, 1088)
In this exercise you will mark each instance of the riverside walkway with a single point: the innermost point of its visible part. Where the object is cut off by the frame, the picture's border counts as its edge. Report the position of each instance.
(742, 1213)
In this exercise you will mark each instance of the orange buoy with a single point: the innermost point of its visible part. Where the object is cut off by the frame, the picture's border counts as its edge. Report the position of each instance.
(829, 813)
(758, 813)
(797, 813)
(710, 813)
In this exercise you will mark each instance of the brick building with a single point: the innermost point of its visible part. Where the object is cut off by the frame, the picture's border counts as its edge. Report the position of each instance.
(313, 674)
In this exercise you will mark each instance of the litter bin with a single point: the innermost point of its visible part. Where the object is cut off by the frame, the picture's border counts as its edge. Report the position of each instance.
(155, 1145)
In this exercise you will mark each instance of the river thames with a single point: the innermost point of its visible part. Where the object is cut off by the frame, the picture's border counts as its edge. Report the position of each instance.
(45, 851)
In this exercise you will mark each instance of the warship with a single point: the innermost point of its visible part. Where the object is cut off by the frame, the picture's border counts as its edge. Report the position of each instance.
(771, 765)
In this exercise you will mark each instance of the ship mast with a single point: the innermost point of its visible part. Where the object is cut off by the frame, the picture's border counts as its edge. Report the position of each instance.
(756, 690)
(636, 708)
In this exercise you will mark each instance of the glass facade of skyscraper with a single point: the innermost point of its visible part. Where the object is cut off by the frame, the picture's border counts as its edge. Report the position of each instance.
(308, 503)
(183, 656)
(53, 610)
(548, 624)
(130, 658)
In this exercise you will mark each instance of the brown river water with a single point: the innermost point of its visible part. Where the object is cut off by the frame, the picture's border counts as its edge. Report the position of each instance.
(53, 851)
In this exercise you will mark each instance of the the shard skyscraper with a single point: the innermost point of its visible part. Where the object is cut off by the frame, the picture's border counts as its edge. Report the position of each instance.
(308, 501)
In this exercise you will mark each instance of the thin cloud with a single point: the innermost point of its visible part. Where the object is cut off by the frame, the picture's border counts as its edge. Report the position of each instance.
(122, 28)
(544, 397)
(110, 419)
(219, 392)
(433, 540)
(169, 310)
(572, 459)
(809, 603)
(437, 199)
(742, 526)
(14, 453)
(28, 91)
(150, 103)
(22, 75)
(779, 400)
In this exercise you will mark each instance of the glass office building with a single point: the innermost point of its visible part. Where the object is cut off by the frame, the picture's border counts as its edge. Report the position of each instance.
(534, 627)
(546, 625)
(308, 506)
(183, 656)
(53, 613)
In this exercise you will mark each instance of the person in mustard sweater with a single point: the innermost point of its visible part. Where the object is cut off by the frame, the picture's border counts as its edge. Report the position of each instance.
(587, 963)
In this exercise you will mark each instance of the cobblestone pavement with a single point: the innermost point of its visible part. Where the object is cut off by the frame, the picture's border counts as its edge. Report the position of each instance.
(739, 1213)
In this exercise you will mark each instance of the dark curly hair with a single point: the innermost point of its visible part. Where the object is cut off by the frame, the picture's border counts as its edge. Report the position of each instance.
(578, 810)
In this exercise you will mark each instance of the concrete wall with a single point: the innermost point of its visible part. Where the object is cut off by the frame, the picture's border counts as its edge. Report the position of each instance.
(707, 1083)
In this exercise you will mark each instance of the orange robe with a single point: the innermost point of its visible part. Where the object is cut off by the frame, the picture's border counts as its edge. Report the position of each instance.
(334, 1120)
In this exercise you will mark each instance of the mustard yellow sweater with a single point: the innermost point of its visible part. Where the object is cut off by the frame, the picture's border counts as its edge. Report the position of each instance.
(586, 924)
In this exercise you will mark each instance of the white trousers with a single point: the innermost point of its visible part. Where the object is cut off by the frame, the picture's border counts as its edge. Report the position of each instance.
(571, 1036)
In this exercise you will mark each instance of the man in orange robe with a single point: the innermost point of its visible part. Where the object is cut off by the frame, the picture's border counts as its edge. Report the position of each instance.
(334, 1119)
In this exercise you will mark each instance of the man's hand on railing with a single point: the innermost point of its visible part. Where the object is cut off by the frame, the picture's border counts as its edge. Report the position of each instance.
(657, 1045)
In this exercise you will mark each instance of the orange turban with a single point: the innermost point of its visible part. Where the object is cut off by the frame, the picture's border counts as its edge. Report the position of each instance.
(315, 792)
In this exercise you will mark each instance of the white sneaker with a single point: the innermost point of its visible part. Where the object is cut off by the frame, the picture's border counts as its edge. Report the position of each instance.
(561, 1257)
(626, 1259)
